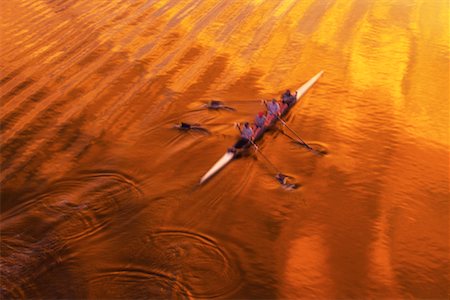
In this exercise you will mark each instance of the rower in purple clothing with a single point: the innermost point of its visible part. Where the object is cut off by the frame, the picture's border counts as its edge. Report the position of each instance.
(247, 132)
(260, 119)
(273, 107)
(246, 137)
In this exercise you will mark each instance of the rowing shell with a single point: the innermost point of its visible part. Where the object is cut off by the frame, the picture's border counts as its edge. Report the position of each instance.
(228, 156)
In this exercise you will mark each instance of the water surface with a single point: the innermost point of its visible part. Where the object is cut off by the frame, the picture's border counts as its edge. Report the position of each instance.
(99, 192)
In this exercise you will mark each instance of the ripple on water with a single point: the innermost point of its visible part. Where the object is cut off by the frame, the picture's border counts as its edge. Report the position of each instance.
(197, 261)
(42, 233)
(172, 264)
(130, 283)
(92, 201)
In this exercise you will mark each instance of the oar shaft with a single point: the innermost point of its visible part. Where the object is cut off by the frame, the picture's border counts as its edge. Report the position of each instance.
(244, 100)
(299, 138)
(260, 152)
(284, 123)
(295, 133)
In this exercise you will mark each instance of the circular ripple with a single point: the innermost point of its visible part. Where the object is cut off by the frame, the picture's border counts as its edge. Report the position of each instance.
(20, 292)
(39, 234)
(87, 203)
(196, 261)
(136, 284)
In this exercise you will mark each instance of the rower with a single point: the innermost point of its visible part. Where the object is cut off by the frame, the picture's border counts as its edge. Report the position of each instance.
(287, 97)
(260, 120)
(273, 108)
(246, 136)
(247, 132)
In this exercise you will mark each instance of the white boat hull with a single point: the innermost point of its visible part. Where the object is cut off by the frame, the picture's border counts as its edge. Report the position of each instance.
(226, 158)
(305, 87)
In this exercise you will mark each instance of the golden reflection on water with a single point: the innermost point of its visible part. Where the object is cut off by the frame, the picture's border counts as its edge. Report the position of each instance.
(94, 87)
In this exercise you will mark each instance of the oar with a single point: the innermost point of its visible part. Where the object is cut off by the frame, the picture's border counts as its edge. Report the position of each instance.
(245, 100)
(280, 176)
(308, 147)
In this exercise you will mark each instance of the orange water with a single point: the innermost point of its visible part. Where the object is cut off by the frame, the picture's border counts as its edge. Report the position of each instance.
(99, 195)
